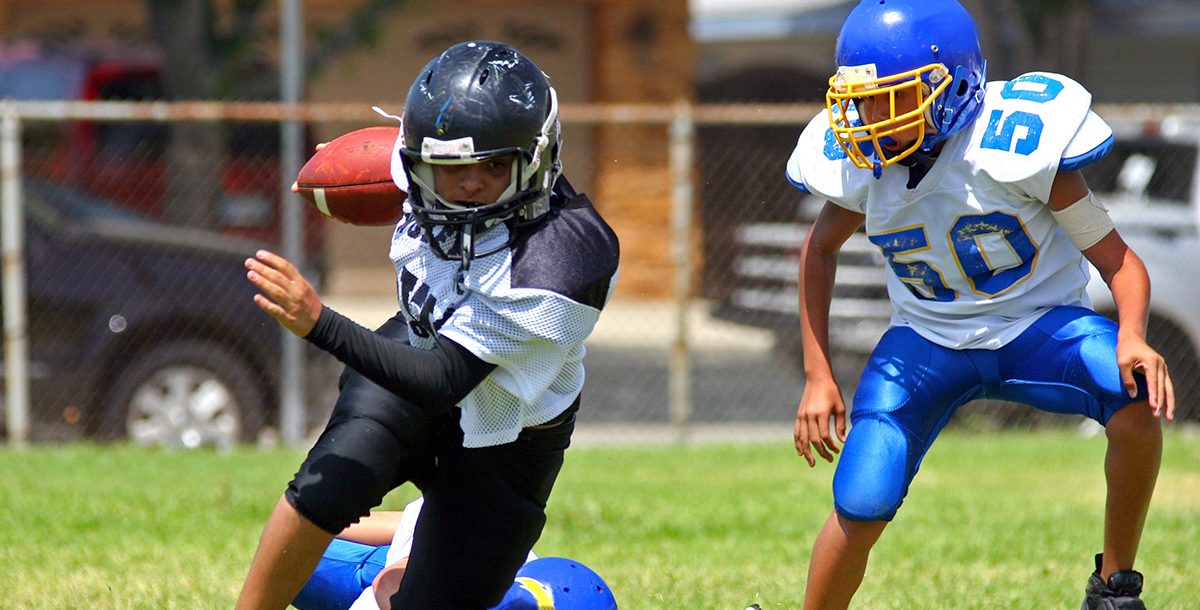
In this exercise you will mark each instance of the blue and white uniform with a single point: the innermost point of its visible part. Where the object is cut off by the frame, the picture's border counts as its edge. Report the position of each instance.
(974, 254)
(988, 292)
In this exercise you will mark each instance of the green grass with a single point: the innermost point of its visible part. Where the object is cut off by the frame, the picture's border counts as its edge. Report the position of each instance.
(993, 521)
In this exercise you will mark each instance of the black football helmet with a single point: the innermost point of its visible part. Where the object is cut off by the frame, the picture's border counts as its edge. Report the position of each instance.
(475, 101)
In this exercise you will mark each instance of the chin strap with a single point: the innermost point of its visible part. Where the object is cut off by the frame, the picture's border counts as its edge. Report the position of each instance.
(466, 251)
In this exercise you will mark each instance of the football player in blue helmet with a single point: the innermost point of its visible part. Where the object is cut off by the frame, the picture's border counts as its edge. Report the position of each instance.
(974, 197)
(889, 52)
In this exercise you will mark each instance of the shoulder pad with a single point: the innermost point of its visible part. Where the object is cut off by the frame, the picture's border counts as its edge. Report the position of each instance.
(1025, 127)
(1092, 141)
(573, 253)
(818, 165)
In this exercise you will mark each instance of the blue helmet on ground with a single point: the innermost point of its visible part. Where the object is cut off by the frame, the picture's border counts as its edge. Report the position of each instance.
(556, 583)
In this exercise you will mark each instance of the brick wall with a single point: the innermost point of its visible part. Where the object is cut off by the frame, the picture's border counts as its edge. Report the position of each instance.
(644, 55)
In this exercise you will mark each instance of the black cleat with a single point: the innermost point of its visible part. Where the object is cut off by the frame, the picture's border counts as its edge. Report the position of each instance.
(1119, 593)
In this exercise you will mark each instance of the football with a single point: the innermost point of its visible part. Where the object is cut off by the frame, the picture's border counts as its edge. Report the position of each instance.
(350, 179)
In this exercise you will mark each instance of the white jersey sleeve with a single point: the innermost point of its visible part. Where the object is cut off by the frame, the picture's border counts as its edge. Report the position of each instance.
(818, 165)
(402, 539)
(401, 547)
(1028, 126)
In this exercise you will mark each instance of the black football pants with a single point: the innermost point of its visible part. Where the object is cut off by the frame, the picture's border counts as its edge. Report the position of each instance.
(484, 507)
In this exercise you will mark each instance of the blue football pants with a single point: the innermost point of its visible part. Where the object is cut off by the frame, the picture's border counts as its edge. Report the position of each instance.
(1064, 363)
(345, 571)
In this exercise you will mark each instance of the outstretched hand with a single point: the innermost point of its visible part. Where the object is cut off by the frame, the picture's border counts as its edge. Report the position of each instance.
(286, 295)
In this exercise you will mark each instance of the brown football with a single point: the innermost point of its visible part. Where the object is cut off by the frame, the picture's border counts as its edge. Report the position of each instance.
(350, 178)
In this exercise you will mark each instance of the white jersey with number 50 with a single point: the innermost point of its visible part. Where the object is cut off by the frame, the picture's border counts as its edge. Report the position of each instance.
(974, 254)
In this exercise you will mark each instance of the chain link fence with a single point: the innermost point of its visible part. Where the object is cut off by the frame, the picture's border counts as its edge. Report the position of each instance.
(128, 317)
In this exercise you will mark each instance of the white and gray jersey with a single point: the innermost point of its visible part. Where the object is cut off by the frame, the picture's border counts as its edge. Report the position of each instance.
(527, 309)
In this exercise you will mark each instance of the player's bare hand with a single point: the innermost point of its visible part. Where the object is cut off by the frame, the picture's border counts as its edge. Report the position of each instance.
(1134, 355)
(286, 295)
(821, 402)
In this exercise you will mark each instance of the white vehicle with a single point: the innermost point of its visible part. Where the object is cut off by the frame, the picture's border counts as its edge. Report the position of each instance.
(1150, 185)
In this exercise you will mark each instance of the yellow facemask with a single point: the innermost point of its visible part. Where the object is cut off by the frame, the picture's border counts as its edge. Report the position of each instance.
(851, 84)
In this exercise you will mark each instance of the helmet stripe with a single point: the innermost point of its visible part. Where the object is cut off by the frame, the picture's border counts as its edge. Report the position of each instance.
(541, 593)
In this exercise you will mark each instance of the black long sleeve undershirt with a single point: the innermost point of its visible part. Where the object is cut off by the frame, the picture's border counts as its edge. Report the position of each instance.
(434, 379)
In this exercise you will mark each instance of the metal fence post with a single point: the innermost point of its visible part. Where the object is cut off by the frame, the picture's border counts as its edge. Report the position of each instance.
(682, 132)
(16, 337)
(292, 393)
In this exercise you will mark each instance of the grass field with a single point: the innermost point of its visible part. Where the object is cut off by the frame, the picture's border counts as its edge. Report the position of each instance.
(993, 521)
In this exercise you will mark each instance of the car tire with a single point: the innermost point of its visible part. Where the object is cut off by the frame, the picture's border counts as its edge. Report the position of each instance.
(186, 394)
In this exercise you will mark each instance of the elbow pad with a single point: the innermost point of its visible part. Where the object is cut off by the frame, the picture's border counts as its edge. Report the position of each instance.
(1085, 222)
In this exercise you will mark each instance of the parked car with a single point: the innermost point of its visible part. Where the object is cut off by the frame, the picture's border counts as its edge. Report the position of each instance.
(141, 331)
(1149, 183)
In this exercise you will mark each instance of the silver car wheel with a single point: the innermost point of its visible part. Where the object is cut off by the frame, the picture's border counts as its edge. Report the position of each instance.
(184, 407)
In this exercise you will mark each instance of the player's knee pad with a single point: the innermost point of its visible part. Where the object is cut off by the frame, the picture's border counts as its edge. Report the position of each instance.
(874, 471)
(1073, 370)
(347, 473)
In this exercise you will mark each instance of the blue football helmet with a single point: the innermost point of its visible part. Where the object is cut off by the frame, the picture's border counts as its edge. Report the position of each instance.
(886, 48)
(555, 583)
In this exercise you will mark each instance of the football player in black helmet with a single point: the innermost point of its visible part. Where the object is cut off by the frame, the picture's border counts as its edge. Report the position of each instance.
(470, 391)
